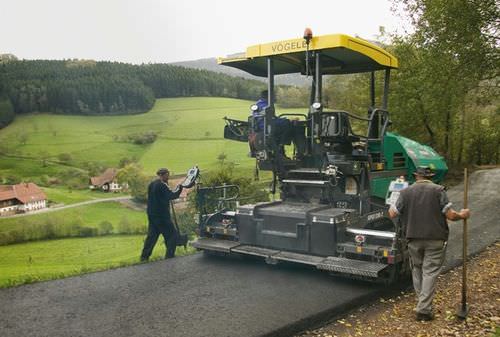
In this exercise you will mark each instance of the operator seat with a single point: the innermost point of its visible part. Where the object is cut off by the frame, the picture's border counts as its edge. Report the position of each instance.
(336, 130)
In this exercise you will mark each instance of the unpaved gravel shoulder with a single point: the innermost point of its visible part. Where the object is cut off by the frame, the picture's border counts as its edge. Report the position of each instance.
(395, 317)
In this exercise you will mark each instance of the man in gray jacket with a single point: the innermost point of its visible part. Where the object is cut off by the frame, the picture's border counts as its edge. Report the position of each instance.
(424, 209)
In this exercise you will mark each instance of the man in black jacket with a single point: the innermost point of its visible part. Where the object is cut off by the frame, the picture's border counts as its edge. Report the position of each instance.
(424, 208)
(159, 197)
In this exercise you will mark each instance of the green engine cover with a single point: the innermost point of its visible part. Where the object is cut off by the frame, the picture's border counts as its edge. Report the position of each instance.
(405, 155)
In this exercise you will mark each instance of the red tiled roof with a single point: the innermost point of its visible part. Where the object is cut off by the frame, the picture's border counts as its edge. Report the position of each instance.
(108, 176)
(24, 192)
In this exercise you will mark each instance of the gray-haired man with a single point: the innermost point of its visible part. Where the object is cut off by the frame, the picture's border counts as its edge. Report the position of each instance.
(424, 208)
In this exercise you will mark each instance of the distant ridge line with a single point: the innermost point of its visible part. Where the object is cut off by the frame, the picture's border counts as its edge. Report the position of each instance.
(211, 64)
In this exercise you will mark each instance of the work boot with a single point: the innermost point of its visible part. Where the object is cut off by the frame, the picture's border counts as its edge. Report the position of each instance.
(425, 317)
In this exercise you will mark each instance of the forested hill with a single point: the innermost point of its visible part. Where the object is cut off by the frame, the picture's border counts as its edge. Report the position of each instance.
(92, 88)
(211, 64)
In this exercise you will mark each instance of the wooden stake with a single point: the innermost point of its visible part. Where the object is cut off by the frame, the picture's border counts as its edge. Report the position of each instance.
(464, 310)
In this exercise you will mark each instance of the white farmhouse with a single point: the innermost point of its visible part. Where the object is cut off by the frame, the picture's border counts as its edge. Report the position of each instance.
(24, 197)
(107, 181)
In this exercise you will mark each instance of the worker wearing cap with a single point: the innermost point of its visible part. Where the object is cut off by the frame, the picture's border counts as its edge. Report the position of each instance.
(159, 197)
(262, 102)
(424, 208)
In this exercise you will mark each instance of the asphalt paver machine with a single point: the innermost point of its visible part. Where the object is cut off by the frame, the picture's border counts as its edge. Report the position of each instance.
(338, 182)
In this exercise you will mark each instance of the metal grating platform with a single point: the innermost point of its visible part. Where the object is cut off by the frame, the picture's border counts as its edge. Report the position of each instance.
(299, 258)
(215, 244)
(331, 263)
(349, 266)
(253, 250)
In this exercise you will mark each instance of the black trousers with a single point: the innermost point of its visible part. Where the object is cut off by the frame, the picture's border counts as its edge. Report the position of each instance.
(169, 233)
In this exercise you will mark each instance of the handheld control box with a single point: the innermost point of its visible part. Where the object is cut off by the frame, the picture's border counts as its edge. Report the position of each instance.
(395, 187)
(191, 176)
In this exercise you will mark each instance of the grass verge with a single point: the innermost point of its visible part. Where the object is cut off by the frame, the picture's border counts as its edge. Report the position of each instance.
(49, 260)
(90, 215)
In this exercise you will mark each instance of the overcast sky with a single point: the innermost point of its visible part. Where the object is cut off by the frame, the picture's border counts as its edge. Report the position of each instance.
(175, 30)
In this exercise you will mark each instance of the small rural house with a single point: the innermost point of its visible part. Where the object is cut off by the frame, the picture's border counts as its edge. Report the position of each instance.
(106, 181)
(24, 197)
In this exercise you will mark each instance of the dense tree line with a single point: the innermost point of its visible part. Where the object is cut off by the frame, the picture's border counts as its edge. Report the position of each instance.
(446, 91)
(89, 87)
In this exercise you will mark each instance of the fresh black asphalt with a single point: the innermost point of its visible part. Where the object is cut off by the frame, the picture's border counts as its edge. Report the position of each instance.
(209, 296)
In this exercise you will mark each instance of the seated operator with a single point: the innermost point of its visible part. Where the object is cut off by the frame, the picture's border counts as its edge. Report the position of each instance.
(283, 131)
(258, 114)
(262, 102)
(258, 122)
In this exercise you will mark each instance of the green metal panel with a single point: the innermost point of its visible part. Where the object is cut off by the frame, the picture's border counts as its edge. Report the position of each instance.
(403, 154)
(379, 186)
(418, 155)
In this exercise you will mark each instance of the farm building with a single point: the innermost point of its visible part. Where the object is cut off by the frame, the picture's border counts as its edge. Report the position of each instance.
(106, 181)
(20, 198)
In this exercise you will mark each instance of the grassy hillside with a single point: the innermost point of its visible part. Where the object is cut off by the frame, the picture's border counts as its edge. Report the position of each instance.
(47, 260)
(44, 146)
(67, 196)
(88, 215)
(195, 134)
(190, 131)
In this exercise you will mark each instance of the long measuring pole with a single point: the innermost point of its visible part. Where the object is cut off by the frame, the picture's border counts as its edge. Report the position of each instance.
(463, 310)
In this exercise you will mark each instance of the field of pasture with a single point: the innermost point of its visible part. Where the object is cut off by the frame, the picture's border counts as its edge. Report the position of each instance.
(48, 147)
(46, 260)
(189, 131)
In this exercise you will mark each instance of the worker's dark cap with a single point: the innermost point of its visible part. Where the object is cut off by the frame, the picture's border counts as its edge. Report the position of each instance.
(162, 171)
(424, 171)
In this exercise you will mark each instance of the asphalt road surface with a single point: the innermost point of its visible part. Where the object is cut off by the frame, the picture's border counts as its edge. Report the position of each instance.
(200, 296)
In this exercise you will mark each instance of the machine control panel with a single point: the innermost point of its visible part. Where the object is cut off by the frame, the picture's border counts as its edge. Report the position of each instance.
(395, 187)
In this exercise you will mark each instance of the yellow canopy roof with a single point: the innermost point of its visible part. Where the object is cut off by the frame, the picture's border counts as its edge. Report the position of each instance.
(340, 54)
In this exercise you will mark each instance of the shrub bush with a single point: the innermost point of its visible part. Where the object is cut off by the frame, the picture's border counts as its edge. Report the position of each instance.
(85, 231)
(186, 221)
(74, 178)
(146, 137)
(124, 226)
(65, 157)
(249, 190)
(105, 227)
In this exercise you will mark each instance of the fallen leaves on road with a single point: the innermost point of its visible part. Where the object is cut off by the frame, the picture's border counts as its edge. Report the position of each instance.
(395, 317)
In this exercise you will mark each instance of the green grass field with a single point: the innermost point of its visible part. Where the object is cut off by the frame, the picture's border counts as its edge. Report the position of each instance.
(88, 215)
(70, 196)
(48, 260)
(190, 131)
